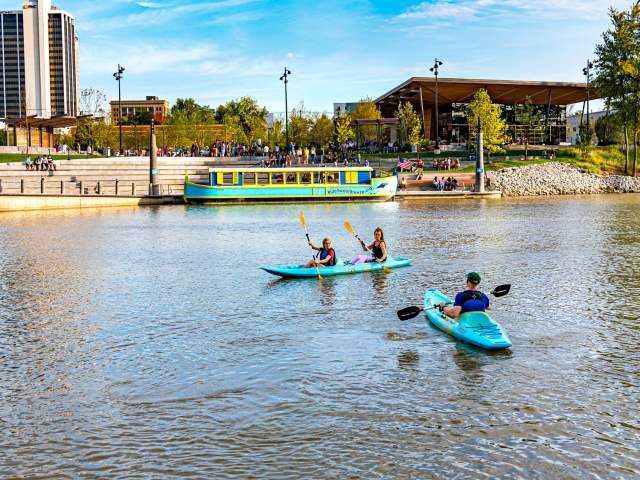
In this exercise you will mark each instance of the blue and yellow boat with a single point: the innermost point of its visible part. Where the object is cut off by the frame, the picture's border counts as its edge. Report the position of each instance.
(227, 184)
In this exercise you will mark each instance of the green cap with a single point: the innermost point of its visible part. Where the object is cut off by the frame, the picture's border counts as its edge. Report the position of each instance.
(473, 277)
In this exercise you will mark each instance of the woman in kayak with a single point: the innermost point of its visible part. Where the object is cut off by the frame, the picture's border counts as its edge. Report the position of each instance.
(378, 248)
(327, 257)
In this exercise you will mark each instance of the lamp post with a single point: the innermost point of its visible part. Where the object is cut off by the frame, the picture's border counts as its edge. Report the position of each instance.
(118, 77)
(434, 69)
(285, 78)
(587, 72)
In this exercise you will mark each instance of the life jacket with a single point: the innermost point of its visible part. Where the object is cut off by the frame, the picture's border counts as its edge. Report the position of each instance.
(377, 251)
(325, 253)
(472, 295)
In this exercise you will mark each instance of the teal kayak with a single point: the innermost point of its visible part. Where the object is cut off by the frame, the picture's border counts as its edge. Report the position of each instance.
(476, 328)
(298, 271)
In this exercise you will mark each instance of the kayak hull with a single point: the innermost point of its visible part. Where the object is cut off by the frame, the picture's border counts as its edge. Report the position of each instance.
(298, 271)
(476, 328)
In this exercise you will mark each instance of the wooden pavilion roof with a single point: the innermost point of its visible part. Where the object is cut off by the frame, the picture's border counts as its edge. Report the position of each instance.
(38, 122)
(458, 90)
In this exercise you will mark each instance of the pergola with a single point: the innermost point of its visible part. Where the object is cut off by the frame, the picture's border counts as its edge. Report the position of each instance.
(27, 127)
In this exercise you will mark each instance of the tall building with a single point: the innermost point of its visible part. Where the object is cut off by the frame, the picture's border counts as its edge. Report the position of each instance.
(39, 70)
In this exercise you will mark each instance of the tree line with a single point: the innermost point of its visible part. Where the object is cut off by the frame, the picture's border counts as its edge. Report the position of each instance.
(617, 79)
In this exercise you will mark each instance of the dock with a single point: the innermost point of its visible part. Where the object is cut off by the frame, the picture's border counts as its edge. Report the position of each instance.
(451, 195)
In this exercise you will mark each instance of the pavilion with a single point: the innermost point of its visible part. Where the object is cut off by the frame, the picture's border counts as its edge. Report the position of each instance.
(455, 94)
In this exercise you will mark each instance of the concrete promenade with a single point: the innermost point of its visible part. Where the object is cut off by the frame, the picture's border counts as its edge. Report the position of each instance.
(124, 181)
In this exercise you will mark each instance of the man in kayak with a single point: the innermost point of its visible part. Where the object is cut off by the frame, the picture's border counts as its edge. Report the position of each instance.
(471, 300)
(327, 257)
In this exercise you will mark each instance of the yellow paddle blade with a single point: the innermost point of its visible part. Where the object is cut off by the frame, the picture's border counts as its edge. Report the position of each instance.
(349, 228)
(302, 217)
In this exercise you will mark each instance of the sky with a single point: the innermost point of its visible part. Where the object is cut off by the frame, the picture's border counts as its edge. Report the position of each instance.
(337, 50)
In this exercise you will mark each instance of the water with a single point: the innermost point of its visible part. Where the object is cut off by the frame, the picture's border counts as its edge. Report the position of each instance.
(146, 343)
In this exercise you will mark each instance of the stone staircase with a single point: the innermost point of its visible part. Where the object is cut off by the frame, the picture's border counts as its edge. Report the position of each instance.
(111, 176)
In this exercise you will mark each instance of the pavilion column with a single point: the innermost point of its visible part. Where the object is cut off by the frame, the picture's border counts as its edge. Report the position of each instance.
(424, 124)
(546, 120)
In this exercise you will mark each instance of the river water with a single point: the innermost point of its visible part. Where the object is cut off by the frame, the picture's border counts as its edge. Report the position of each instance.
(146, 343)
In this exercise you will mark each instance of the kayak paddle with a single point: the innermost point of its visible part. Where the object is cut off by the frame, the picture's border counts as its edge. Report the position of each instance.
(304, 224)
(349, 228)
(412, 312)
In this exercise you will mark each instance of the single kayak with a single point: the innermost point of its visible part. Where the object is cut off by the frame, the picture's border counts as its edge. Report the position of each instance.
(476, 328)
(298, 271)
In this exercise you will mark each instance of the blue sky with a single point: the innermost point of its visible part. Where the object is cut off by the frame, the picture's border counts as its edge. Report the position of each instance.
(343, 50)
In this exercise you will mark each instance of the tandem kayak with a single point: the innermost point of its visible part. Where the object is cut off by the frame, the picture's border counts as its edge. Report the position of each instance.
(298, 271)
(476, 328)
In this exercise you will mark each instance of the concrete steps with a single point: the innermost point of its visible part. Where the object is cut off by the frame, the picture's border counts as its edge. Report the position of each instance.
(99, 175)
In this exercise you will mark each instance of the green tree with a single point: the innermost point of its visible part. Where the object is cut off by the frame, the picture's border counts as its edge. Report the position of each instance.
(140, 117)
(410, 124)
(276, 134)
(618, 72)
(494, 127)
(528, 121)
(300, 124)
(186, 116)
(366, 109)
(94, 132)
(344, 129)
(607, 129)
(322, 130)
(250, 120)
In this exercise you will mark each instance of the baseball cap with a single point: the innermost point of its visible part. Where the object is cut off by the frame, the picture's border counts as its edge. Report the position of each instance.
(473, 277)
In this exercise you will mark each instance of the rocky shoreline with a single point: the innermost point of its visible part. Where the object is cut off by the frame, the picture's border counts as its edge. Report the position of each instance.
(557, 179)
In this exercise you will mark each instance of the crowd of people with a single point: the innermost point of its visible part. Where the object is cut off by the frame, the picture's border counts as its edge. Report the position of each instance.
(445, 185)
(445, 163)
(42, 163)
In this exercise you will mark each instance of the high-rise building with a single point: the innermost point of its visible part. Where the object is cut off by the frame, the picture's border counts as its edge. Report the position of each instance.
(39, 70)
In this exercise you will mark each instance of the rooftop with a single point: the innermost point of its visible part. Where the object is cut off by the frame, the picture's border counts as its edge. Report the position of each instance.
(461, 90)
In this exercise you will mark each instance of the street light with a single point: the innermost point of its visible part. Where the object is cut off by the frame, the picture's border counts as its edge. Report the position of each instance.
(587, 72)
(285, 78)
(434, 69)
(118, 77)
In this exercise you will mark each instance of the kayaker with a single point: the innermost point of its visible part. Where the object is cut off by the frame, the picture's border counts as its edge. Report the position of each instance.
(470, 300)
(378, 248)
(327, 257)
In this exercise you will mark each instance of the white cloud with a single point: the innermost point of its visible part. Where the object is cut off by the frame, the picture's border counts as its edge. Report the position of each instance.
(144, 59)
(467, 9)
(148, 4)
(180, 11)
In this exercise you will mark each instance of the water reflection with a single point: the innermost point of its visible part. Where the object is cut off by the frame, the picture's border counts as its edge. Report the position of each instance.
(125, 329)
(408, 359)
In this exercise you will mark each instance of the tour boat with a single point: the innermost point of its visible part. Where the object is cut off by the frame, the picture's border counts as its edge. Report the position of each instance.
(227, 184)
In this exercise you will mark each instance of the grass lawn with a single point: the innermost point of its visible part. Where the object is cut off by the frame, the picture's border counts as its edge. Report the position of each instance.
(599, 160)
(19, 157)
(489, 166)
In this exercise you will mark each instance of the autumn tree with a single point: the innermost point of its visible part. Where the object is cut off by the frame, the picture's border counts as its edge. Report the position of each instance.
(366, 109)
(344, 129)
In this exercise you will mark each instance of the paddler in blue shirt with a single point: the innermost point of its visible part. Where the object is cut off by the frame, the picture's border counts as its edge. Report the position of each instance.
(327, 257)
(470, 300)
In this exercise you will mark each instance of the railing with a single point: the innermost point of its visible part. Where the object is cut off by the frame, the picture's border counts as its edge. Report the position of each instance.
(45, 186)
